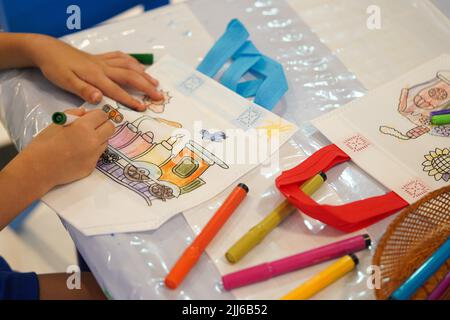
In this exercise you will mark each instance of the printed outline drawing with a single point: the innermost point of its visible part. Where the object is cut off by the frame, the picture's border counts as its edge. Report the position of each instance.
(437, 164)
(248, 118)
(157, 106)
(357, 143)
(416, 104)
(189, 85)
(415, 188)
(217, 136)
(149, 168)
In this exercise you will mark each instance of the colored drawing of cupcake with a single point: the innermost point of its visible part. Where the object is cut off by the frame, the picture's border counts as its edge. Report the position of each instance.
(437, 164)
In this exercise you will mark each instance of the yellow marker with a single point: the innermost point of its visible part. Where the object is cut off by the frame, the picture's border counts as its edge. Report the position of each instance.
(323, 279)
(256, 234)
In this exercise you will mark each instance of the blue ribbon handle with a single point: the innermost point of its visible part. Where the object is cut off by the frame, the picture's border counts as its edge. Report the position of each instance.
(270, 84)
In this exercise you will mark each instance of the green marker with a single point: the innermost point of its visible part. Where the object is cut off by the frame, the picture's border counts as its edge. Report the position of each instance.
(441, 119)
(144, 58)
(63, 119)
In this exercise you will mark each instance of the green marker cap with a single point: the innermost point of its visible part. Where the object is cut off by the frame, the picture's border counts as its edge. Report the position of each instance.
(440, 120)
(59, 118)
(144, 58)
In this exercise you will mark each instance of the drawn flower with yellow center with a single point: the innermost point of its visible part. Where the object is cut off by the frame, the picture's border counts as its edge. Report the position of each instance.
(437, 164)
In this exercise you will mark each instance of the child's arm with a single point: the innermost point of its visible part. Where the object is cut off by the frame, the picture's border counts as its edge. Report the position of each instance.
(88, 76)
(58, 155)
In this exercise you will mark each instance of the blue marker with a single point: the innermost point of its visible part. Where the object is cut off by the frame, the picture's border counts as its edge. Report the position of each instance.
(418, 278)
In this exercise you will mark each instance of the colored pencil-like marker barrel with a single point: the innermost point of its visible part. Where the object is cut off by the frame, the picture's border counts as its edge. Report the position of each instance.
(63, 119)
(421, 275)
(144, 58)
(440, 289)
(323, 279)
(256, 234)
(305, 259)
(440, 119)
(445, 110)
(195, 250)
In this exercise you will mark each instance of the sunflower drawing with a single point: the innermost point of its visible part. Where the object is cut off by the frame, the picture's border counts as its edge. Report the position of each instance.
(437, 164)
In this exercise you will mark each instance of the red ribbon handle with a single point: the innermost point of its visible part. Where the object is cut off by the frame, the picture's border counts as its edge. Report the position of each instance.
(348, 217)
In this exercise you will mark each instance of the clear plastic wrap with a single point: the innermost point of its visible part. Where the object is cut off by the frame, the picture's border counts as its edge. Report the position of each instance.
(132, 266)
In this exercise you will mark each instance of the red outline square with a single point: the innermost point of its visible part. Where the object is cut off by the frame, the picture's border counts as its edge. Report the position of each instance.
(416, 188)
(357, 143)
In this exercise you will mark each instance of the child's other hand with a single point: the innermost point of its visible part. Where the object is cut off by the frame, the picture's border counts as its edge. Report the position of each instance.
(91, 76)
(65, 154)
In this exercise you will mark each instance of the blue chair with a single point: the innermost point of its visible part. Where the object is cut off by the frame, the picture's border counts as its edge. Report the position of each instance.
(50, 16)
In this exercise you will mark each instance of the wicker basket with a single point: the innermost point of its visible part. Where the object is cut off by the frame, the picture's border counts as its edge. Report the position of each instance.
(411, 239)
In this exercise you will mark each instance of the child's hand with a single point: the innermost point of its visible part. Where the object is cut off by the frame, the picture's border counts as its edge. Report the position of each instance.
(58, 155)
(91, 76)
(66, 154)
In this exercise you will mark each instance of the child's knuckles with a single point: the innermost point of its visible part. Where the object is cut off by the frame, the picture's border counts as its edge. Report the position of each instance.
(81, 127)
(130, 64)
(96, 73)
(129, 77)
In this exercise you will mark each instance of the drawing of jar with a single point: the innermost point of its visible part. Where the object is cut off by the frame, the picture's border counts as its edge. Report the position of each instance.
(417, 103)
(423, 99)
(124, 135)
(161, 152)
(140, 145)
(129, 133)
(185, 169)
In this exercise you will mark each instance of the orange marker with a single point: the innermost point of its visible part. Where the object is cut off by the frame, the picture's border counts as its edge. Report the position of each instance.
(195, 250)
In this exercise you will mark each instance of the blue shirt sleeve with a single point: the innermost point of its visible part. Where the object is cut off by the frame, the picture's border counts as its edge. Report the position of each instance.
(17, 286)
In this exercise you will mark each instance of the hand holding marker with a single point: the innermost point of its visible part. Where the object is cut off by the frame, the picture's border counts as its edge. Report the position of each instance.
(63, 119)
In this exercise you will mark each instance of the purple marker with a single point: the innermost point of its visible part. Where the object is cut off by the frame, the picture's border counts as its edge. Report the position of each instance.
(440, 289)
(441, 112)
(275, 268)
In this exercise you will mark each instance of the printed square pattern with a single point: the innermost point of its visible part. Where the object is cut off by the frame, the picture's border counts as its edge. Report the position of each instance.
(416, 188)
(190, 84)
(248, 118)
(357, 143)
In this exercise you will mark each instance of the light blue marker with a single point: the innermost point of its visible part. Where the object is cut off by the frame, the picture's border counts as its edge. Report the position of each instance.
(418, 278)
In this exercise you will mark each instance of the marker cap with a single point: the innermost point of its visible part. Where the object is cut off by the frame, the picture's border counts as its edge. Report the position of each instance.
(367, 240)
(59, 118)
(354, 258)
(144, 58)
(243, 186)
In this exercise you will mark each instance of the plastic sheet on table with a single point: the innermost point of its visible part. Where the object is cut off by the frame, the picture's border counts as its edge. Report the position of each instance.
(133, 265)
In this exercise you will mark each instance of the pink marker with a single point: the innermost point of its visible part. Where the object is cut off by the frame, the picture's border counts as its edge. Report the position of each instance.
(275, 268)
